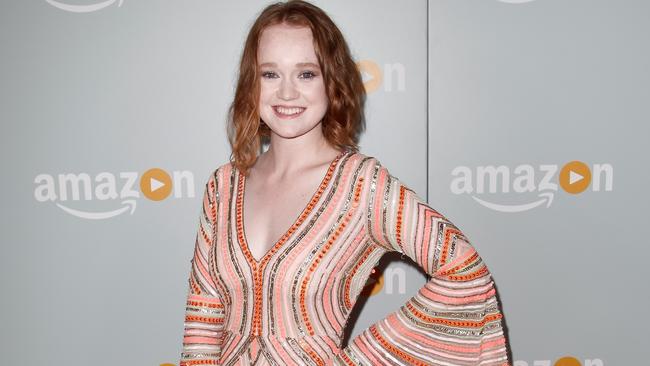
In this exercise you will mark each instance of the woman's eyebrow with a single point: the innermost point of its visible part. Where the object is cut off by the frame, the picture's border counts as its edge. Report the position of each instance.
(300, 64)
(304, 64)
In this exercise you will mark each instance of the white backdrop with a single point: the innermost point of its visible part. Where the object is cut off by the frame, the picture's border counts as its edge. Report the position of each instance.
(524, 122)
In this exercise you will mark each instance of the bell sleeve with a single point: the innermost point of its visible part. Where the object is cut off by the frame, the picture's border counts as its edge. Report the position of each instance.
(454, 319)
(204, 312)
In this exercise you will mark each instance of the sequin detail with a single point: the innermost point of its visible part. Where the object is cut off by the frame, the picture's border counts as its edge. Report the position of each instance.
(292, 306)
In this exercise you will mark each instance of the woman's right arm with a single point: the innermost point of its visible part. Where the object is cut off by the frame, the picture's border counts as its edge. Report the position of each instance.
(204, 314)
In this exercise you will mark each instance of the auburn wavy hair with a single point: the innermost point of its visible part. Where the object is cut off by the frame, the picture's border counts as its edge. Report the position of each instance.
(344, 119)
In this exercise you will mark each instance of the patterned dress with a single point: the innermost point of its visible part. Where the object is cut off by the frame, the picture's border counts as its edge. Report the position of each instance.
(291, 306)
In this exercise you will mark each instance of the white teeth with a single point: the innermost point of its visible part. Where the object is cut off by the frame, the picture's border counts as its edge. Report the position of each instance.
(289, 111)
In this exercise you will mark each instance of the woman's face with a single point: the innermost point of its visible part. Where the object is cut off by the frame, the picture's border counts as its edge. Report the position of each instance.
(292, 91)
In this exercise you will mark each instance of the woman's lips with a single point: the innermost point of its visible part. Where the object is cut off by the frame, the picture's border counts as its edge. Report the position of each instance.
(288, 112)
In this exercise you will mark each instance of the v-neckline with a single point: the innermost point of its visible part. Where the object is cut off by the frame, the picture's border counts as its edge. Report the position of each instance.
(239, 209)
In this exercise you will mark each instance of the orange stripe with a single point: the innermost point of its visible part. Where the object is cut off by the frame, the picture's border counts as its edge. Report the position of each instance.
(203, 319)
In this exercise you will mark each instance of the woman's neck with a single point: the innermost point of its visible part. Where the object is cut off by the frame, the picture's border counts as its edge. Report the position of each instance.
(288, 157)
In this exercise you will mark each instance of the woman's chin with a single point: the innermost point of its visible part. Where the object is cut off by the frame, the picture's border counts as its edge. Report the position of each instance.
(289, 134)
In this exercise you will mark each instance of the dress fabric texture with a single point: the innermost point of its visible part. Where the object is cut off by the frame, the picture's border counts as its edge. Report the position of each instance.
(291, 306)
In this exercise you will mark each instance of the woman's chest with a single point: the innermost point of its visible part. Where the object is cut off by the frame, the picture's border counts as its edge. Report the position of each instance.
(270, 212)
(319, 247)
(323, 264)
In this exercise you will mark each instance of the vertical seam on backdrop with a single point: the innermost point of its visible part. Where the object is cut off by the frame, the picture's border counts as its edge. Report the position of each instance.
(427, 104)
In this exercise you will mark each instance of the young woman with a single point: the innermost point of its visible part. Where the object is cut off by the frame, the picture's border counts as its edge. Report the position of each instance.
(287, 238)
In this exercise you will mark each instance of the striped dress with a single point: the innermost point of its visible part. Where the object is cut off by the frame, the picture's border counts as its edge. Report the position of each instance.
(291, 306)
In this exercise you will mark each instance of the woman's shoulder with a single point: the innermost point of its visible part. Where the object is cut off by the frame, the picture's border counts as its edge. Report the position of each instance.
(379, 174)
(364, 159)
(369, 163)
(217, 173)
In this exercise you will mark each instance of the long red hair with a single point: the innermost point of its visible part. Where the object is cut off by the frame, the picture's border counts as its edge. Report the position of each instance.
(344, 119)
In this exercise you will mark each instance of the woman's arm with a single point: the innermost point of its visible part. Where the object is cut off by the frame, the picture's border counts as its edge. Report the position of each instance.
(204, 313)
(454, 318)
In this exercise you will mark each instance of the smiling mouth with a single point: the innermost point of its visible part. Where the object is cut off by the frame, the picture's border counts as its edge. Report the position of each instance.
(288, 112)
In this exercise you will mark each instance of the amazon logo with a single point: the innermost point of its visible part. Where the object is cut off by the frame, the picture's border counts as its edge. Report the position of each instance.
(563, 361)
(70, 192)
(537, 184)
(387, 77)
(90, 7)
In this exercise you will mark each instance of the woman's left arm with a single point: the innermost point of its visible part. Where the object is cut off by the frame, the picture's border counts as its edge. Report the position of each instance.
(454, 319)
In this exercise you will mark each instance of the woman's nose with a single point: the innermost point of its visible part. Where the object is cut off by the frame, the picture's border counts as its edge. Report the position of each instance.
(287, 90)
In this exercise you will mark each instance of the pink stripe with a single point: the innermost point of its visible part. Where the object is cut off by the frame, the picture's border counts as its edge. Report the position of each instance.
(455, 261)
(333, 319)
(203, 270)
(426, 239)
(457, 300)
(377, 206)
(361, 345)
(211, 300)
(201, 340)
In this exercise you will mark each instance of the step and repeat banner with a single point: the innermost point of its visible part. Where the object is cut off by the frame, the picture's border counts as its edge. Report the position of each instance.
(522, 121)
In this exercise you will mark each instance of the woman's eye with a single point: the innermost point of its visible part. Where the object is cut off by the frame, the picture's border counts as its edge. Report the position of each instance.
(273, 75)
(307, 75)
(269, 75)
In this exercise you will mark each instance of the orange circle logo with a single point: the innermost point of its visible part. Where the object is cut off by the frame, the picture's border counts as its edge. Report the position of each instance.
(373, 71)
(156, 184)
(575, 177)
(567, 361)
